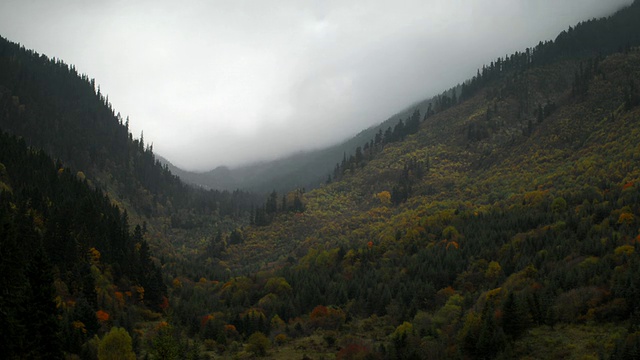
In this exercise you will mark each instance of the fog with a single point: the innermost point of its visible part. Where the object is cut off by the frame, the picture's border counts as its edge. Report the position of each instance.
(233, 82)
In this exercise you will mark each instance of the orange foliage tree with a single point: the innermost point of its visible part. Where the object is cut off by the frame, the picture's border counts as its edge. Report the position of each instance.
(102, 316)
(327, 317)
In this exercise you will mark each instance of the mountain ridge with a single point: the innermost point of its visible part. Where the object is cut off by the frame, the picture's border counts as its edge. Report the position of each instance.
(308, 168)
(264, 177)
(550, 198)
(506, 216)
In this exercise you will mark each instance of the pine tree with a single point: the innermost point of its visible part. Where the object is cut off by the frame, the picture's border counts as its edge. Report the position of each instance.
(490, 339)
(515, 319)
(43, 329)
(272, 203)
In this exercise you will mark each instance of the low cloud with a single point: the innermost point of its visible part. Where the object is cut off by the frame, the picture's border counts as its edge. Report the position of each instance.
(232, 82)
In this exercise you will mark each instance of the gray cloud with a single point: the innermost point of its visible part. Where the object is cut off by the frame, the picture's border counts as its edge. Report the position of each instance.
(230, 82)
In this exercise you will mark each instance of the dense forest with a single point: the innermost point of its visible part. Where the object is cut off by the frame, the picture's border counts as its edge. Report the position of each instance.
(498, 219)
(58, 288)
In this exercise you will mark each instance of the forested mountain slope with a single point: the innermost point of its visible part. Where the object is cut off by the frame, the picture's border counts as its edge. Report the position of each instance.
(82, 204)
(513, 117)
(54, 108)
(536, 220)
(310, 169)
(506, 218)
(482, 152)
(499, 219)
(71, 267)
(302, 170)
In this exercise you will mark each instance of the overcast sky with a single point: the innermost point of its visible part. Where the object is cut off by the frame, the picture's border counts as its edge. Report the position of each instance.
(231, 82)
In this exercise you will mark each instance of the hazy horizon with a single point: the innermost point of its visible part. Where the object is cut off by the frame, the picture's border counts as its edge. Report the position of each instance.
(232, 83)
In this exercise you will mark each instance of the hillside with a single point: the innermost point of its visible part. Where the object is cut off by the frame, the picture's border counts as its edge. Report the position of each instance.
(63, 112)
(70, 265)
(311, 169)
(539, 214)
(505, 217)
(517, 155)
(88, 215)
(302, 170)
(496, 220)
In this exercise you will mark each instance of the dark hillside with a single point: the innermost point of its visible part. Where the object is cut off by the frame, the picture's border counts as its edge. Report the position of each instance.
(67, 252)
(76, 250)
(54, 108)
(497, 220)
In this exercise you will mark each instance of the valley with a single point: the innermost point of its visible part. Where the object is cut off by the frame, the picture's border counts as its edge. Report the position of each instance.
(498, 219)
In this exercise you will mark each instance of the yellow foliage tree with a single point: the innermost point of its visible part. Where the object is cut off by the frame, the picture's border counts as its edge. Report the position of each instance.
(384, 197)
(281, 339)
(258, 344)
(626, 218)
(94, 255)
(624, 250)
(177, 284)
(278, 286)
(450, 233)
(277, 323)
(402, 331)
(494, 271)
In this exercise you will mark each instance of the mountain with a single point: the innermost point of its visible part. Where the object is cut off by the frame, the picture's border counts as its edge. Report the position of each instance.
(54, 108)
(504, 123)
(68, 254)
(306, 170)
(87, 214)
(496, 220)
(311, 169)
(504, 226)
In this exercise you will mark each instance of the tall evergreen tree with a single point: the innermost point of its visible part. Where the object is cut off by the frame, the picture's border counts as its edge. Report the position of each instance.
(43, 328)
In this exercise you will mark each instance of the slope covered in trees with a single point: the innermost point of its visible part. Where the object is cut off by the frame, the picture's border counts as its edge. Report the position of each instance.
(310, 169)
(78, 230)
(306, 170)
(70, 264)
(507, 217)
(494, 217)
(64, 113)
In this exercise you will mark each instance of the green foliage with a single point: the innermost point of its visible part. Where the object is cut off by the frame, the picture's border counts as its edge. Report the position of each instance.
(568, 341)
(165, 345)
(628, 348)
(258, 344)
(515, 317)
(116, 345)
(558, 205)
(278, 286)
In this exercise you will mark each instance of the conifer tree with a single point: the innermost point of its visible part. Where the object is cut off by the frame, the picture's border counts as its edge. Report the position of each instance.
(43, 329)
